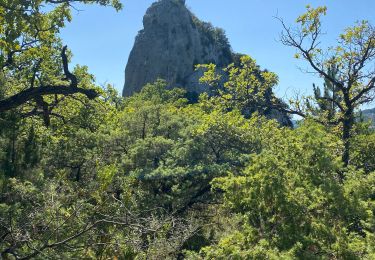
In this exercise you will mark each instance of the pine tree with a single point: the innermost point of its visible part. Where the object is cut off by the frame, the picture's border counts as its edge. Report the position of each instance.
(327, 100)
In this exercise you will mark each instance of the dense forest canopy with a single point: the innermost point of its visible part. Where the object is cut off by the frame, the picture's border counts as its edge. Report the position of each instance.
(85, 173)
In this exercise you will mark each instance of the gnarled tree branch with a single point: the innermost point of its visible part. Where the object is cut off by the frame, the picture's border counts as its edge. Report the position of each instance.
(32, 93)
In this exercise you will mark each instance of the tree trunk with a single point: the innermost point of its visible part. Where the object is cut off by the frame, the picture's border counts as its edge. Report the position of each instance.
(347, 125)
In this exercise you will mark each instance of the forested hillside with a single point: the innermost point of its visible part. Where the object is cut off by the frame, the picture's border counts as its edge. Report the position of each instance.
(369, 114)
(88, 174)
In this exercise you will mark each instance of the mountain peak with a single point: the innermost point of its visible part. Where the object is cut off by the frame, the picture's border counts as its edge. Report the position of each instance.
(169, 46)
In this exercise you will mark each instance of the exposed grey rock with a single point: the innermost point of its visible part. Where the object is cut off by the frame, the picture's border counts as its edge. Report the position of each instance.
(172, 42)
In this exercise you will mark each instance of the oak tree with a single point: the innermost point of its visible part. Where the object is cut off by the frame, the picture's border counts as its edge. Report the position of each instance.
(353, 59)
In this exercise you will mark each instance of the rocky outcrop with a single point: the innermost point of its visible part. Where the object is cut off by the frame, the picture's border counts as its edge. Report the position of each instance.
(172, 42)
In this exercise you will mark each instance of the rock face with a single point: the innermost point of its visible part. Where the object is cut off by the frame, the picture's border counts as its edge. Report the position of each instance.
(172, 42)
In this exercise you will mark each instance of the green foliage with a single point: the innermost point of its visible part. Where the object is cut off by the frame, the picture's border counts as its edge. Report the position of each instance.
(213, 37)
(293, 205)
(34, 71)
(364, 152)
(174, 149)
(154, 177)
(327, 102)
(348, 73)
(244, 87)
(310, 20)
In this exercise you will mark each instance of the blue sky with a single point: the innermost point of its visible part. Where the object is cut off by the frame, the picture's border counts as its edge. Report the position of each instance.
(102, 38)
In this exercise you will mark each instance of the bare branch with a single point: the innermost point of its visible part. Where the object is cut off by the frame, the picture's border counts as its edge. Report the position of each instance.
(289, 39)
(370, 86)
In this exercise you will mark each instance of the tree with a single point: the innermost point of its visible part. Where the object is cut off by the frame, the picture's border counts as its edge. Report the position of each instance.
(174, 149)
(327, 108)
(68, 194)
(33, 63)
(243, 86)
(288, 203)
(353, 57)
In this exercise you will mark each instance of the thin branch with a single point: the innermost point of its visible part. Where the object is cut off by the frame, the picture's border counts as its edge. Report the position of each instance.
(289, 40)
(370, 86)
(334, 101)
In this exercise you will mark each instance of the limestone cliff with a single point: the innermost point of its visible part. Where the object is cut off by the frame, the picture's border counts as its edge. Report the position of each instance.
(172, 42)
